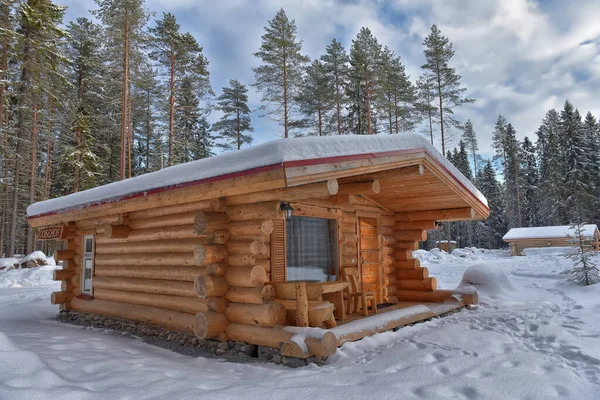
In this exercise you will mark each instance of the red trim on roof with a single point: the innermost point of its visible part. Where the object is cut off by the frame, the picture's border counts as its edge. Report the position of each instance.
(298, 163)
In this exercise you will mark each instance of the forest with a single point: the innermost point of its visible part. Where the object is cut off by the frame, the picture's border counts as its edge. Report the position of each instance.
(124, 92)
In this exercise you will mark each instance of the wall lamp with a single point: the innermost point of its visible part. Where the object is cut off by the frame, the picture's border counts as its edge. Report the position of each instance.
(287, 209)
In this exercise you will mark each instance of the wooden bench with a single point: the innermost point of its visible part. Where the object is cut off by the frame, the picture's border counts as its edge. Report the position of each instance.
(305, 304)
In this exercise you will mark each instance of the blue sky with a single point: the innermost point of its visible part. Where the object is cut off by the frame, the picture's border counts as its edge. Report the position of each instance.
(518, 58)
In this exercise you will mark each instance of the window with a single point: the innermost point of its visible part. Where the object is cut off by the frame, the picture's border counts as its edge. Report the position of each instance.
(88, 265)
(311, 249)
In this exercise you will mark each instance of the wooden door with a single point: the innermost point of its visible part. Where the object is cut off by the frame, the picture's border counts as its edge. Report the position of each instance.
(368, 257)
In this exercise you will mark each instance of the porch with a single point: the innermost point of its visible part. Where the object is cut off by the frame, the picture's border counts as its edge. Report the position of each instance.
(311, 318)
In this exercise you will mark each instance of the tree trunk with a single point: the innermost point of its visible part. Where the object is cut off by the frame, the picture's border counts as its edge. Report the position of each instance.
(125, 94)
(4, 199)
(439, 79)
(148, 134)
(319, 113)
(285, 97)
(239, 133)
(368, 102)
(171, 107)
(32, 175)
(49, 150)
(338, 104)
(130, 134)
(396, 111)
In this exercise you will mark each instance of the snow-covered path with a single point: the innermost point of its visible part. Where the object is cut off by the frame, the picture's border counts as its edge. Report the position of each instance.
(539, 339)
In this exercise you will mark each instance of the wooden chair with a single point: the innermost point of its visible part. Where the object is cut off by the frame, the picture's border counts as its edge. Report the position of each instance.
(351, 275)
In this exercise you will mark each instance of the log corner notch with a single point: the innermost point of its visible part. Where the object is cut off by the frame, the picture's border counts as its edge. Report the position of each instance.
(115, 231)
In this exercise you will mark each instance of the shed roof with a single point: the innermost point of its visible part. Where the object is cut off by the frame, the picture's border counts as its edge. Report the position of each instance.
(282, 153)
(547, 232)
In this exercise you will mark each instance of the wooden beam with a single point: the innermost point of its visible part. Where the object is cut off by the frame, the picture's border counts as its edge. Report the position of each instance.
(406, 172)
(452, 214)
(359, 188)
(319, 190)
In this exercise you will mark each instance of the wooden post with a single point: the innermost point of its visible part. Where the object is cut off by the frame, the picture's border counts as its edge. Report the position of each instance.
(301, 304)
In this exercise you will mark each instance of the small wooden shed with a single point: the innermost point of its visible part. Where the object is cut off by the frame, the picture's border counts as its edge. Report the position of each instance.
(253, 245)
(520, 239)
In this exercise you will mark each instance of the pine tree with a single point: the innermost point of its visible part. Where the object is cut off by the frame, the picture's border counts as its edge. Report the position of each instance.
(315, 98)
(280, 74)
(438, 53)
(335, 63)
(86, 76)
(365, 66)
(469, 139)
(124, 22)
(397, 94)
(8, 38)
(236, 116)
(39, 56)
(424, 105)
(181, 56)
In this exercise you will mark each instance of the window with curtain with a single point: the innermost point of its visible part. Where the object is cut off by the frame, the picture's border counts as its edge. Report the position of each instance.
(311, 249)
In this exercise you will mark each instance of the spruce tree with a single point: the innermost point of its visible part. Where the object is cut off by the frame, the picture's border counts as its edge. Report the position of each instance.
(577, 193)
(193, 141)
(530, 184)
(592, 137)
(550, 169)
(496, 225)
(438, 54)
(335, 63)
(280, 74)
(315, 98)
(235, 122)
(584, 270)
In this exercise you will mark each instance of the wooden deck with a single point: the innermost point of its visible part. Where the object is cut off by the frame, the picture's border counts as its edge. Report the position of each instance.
(436, 308)
(358, 326)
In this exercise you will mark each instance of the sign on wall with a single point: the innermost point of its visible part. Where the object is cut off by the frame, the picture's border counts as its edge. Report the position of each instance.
(51, 232)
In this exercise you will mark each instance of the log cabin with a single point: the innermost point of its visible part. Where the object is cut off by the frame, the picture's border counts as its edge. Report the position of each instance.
(297, 244)
(520, 239)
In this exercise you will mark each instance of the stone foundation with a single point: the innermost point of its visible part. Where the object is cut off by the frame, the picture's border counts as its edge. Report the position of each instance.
(184, 343)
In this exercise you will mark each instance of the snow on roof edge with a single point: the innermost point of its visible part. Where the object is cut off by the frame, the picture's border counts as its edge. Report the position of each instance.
(262, 155)
(546, 232)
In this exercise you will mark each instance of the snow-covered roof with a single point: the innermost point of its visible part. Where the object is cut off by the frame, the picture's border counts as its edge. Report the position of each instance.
(263, 155)
(547, 232)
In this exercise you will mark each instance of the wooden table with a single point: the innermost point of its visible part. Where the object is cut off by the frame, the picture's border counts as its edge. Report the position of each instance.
(333, 292)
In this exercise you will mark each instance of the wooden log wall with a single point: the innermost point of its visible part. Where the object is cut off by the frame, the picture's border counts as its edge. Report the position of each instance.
(69, 275)
(150, 260)
(242, 288)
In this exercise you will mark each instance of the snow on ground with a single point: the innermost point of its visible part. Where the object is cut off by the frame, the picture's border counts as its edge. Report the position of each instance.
(539, 340)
